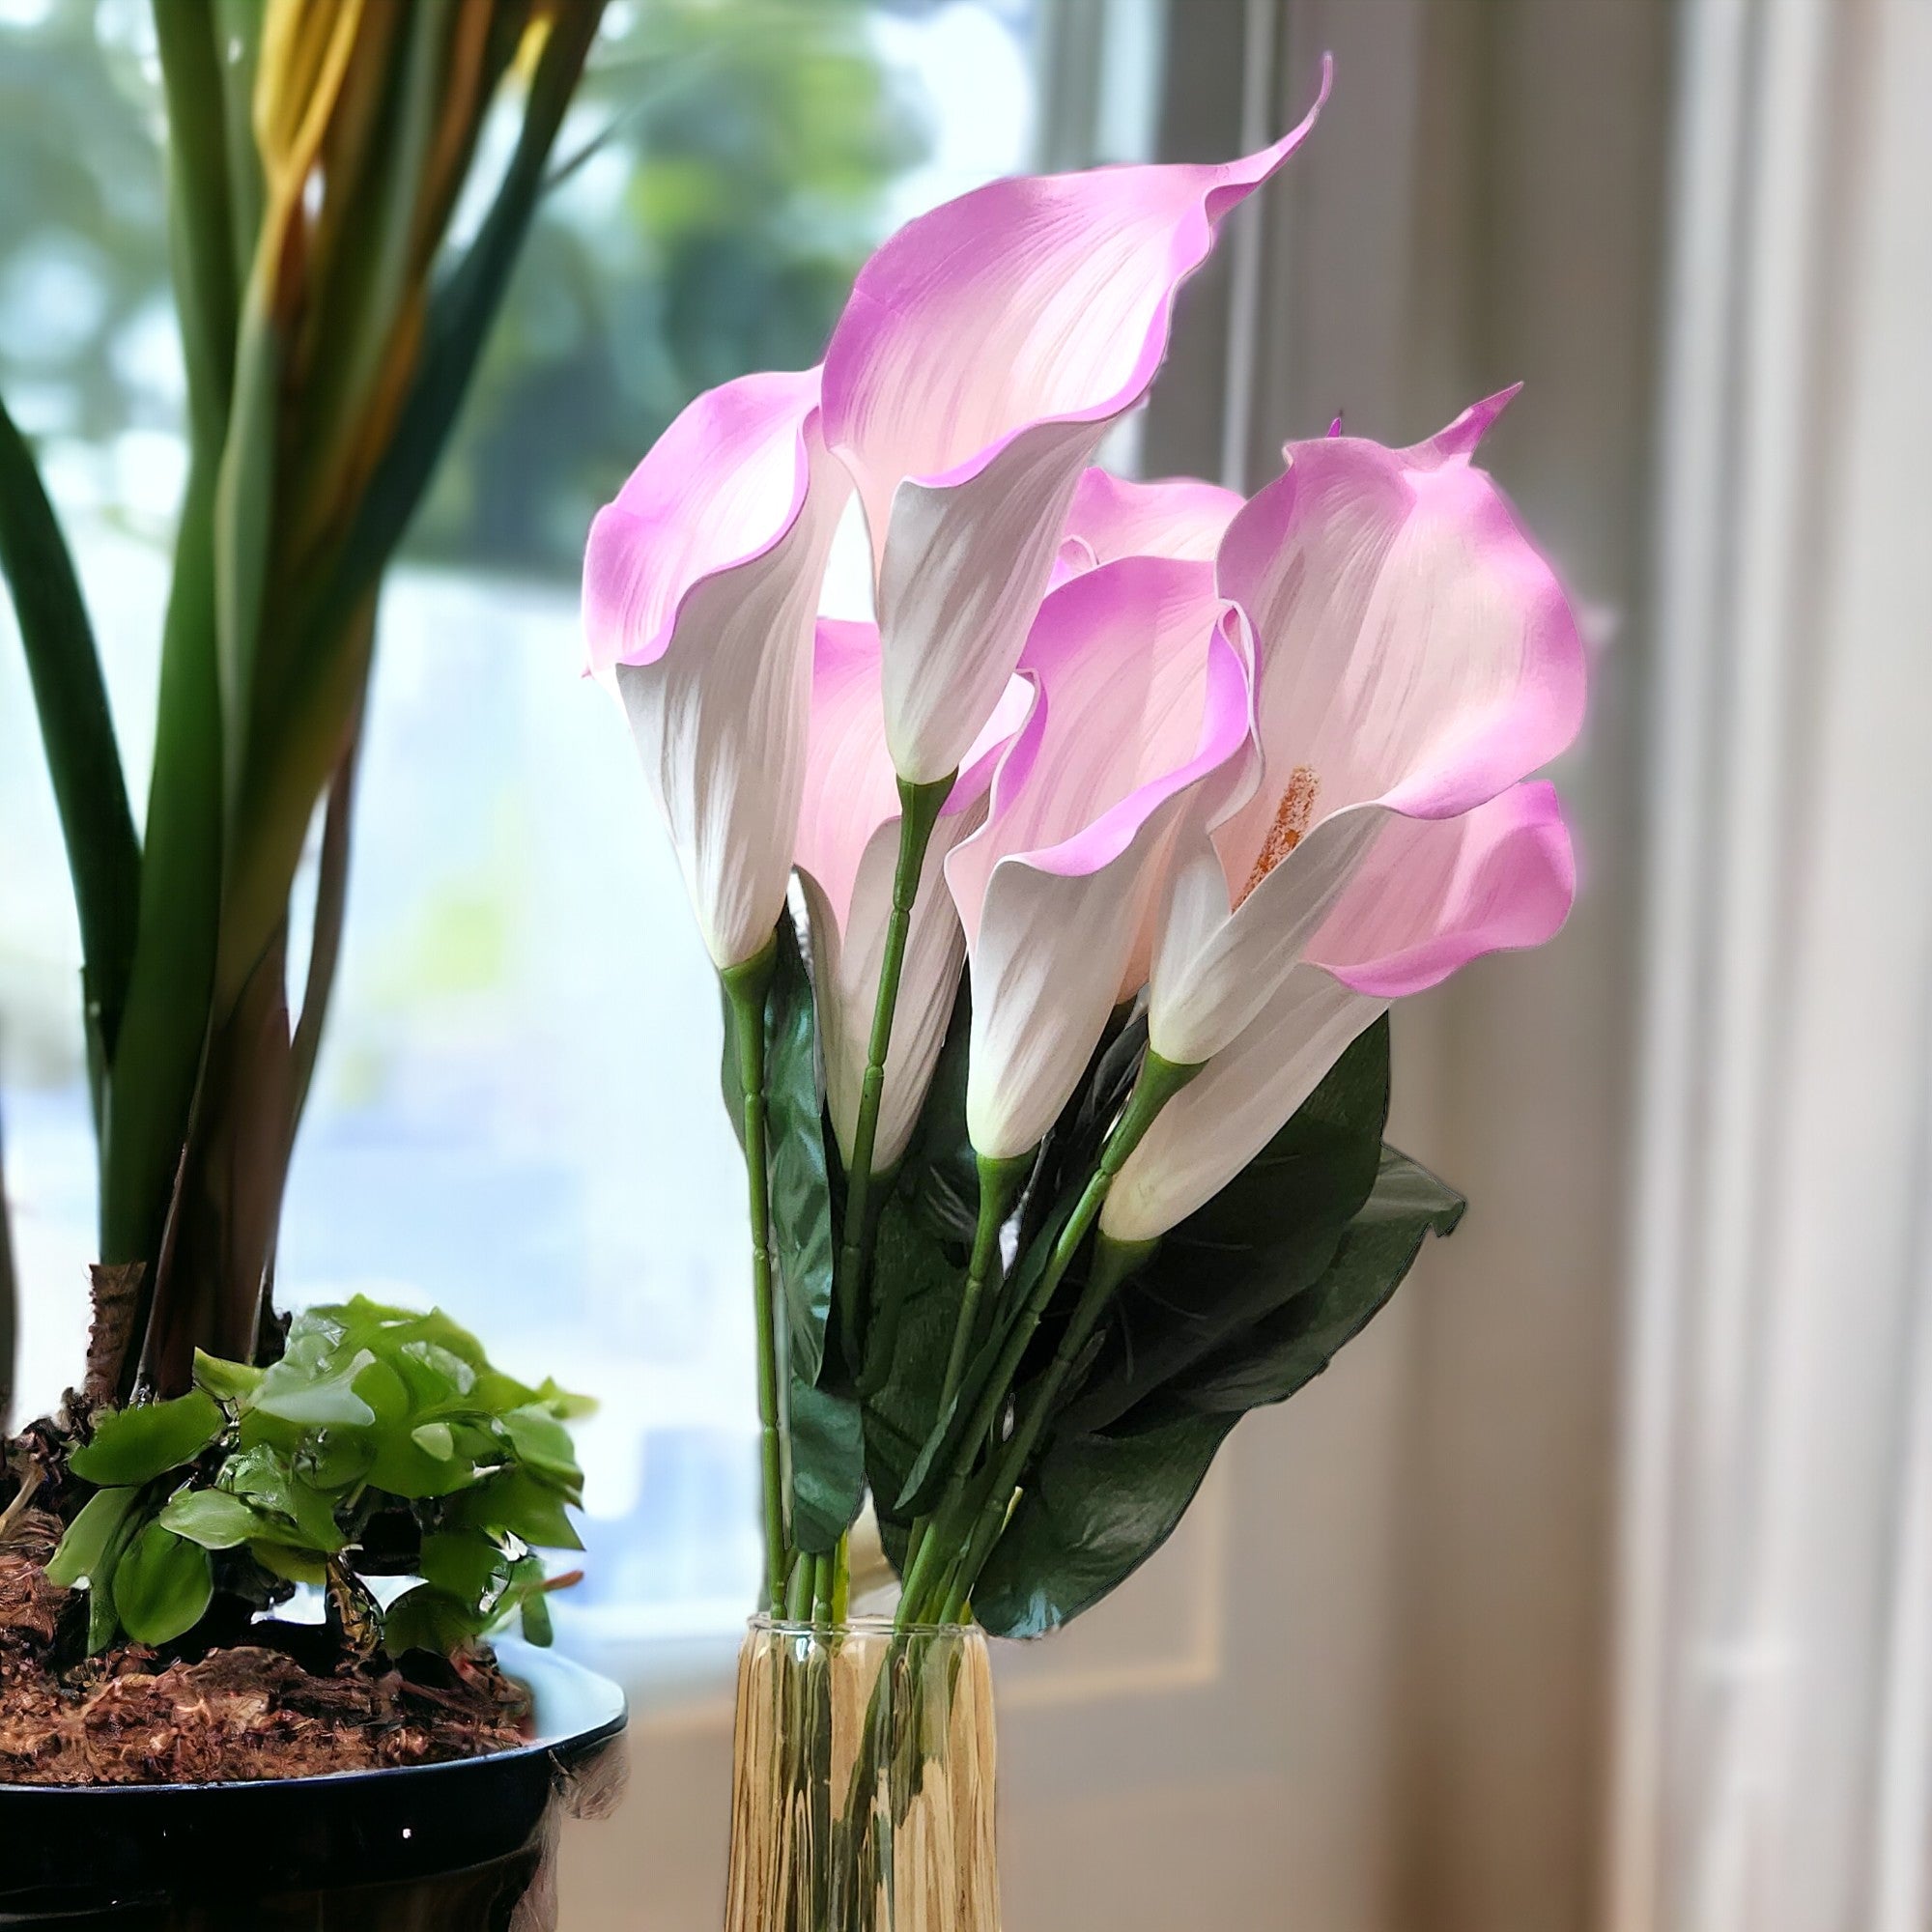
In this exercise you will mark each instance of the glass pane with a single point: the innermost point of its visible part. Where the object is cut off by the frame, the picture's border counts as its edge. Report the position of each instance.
(516, 1111)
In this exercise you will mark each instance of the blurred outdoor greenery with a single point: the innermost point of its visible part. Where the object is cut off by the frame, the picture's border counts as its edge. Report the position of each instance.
(731, 158)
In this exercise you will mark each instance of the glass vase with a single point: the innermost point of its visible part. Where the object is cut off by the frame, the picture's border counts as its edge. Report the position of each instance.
(863, 1781)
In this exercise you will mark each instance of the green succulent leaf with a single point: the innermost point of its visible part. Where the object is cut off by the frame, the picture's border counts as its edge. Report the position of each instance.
(229, 1383)
(80, 1557)
(434, 1440)
(309, 1394)
(542, 1444)
(463, 1563)
(213, 1518)
(137, 1444)
(162, 1587)
(429, 1619)
(266, 1477)
(284, 1560)
(514, 1503)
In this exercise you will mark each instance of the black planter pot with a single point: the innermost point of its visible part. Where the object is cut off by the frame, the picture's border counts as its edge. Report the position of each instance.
(429, 1848)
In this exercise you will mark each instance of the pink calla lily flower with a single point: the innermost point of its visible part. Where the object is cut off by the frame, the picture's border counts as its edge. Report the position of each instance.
(988, 348)
(1431, 896)
(1140, 714)
(700, 589)
(1413, 656)
(1112, 518)
(848, 832)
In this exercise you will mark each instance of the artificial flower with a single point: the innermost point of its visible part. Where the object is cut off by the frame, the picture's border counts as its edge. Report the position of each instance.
(988, 348)
(848, 834)
(1112, 516)
(701, 590)
(1431, 896)
(1413, 656)
(1140, 710)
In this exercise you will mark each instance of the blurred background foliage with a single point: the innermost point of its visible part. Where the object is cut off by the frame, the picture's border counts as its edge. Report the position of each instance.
(723, 175)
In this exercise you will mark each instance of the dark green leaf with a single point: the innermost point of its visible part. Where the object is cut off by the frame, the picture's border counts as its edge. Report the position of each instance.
(516, 1504)
(264, 1476)
(938, 1173)
(542, 1446)
(162, 1587)
(801, 1190)
(538, 1629)
(1099, 1504)
(1096, 1510)
(89, 1536)
(214, 1519)
(463, 1563)
(1263, 1239)
(901, 1415)
(427, 1618)
(281, 1560)
(1270, 1361)
(334, 1459)
(135, 1445)
(827, 1466)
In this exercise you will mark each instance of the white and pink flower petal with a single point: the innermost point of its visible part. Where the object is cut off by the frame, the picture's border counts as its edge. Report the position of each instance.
(700, 585)
(1113, 517)
(1140, 715)
(1431, 895)
(986, 349)
(848, 834)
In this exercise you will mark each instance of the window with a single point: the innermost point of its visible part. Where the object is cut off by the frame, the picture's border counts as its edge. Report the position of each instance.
(516, 1111)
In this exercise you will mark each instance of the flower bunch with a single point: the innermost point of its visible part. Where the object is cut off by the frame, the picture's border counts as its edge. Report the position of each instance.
(1115, 835)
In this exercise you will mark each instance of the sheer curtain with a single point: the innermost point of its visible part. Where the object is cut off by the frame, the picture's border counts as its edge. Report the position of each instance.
(1774, 1683)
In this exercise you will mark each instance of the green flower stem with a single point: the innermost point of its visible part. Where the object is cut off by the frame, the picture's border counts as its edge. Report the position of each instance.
(746, 987)
(919, 813)
(795, 1601)
(999, 1184)
(1158, 1082)
(841, 1579)
(824, 1589)
(1114, 1262)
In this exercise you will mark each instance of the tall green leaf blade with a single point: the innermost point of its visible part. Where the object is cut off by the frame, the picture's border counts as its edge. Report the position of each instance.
(78, 734)
(201, 231)
(150, 1084)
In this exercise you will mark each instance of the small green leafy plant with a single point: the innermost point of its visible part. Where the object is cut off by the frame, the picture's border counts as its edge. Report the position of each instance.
(382, 1443)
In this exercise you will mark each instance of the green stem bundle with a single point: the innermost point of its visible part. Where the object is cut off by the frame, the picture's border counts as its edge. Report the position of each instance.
(940, 1578)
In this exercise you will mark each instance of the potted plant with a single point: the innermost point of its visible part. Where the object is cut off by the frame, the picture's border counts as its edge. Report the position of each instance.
(215, 1457)
(1057, 914)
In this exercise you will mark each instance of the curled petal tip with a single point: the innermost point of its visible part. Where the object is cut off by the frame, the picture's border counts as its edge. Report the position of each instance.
(1335, 427)
(1462, 436)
